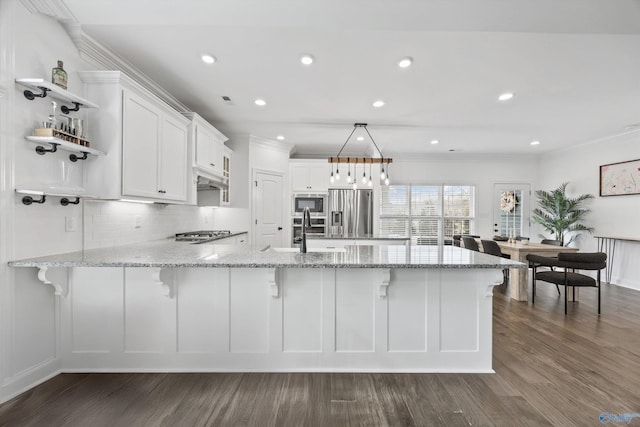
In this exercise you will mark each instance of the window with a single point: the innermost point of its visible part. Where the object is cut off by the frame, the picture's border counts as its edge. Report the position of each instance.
(429, 214)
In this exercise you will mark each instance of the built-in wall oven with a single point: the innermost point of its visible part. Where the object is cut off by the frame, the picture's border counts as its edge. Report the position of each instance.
(318, 228)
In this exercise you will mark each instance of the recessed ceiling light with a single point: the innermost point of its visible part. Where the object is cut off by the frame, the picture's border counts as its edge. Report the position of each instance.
(506, 96)
(360, 138)
(434, 142)
(208, 59)
(405, 62)
(280, 137)
(260, 102)
(306, 59)
(534, 143)
(378, 104)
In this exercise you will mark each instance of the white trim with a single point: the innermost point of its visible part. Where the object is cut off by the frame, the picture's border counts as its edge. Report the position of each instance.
(103, 58)
(258, 141)
(54, 8)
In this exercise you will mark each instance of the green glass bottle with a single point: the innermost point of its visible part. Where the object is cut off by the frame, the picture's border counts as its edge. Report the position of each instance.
(59, 76)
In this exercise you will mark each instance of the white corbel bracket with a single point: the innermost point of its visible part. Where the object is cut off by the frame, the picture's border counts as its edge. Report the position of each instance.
(167, 287)
(384, 283)
(273, 285)
(59, 289)
(497, 282)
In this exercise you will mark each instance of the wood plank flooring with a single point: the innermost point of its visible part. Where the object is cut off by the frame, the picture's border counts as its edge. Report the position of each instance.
(551, 370)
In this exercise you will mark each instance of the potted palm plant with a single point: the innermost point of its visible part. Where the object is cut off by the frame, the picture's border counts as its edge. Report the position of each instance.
(560, 214)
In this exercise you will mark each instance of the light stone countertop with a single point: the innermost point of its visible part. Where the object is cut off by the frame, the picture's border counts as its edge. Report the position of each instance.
(167, 253)
(367, 237)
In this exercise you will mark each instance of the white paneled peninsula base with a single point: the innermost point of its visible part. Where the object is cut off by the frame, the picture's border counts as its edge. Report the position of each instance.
(161, 307)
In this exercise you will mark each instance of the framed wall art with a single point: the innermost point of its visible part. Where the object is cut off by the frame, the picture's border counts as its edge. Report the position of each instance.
(620, 179)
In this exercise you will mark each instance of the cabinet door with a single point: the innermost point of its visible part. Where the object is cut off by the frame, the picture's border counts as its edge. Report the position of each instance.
(319, 178)
(300, 178)
(172, 172)
(216, 155)
(140, 138)
(204, 143)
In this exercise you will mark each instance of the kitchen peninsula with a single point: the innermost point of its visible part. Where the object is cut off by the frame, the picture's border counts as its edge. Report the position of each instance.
(173, 306)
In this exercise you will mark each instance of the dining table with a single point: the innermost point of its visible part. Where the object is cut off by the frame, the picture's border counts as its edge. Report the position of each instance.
(518, 251)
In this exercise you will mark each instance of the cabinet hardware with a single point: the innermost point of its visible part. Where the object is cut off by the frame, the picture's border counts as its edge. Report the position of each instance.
(31, 96)
(66, 202)
(27, 200)
(42, 151)
(211, 164)
(162, 191)
(75, 158)
(279, 228)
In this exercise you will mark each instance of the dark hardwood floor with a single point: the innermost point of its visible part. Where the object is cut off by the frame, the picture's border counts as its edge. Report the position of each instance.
(551, 370)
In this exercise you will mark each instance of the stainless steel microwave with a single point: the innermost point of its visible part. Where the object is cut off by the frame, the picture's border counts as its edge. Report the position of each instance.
(316, 203)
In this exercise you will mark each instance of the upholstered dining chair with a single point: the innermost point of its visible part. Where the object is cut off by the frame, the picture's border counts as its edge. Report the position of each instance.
(492, 248)
(470, 243)
(458, 237)
(592, 261)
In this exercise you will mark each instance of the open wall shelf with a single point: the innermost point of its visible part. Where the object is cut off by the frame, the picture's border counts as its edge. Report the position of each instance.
(44, 88)
(66, 198)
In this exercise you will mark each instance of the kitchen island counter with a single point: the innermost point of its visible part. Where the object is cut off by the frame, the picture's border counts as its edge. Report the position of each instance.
(175, 306)
(166, 253)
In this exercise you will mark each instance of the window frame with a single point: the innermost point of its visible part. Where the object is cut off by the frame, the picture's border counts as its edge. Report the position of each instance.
(440, 218)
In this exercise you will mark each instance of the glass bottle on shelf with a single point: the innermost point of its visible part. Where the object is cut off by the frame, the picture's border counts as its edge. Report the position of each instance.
(59, 76)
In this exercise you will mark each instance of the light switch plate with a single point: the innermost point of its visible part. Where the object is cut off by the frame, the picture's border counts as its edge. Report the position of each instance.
(70, 224)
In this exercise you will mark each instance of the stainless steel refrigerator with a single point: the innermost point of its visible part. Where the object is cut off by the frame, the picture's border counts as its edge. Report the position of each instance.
(350, 212)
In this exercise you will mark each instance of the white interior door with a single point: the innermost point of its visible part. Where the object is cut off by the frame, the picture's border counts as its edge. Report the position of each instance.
(268, 209)
(511, 209)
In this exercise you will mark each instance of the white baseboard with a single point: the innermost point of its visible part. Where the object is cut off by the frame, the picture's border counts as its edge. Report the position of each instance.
(626, 283)
(28, 379)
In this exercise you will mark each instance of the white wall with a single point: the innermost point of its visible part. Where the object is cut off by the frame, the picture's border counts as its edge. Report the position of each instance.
(610, 216)
(483, 171)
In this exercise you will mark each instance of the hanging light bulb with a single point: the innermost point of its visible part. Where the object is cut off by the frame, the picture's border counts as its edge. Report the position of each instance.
(332, 179)
(355, 185)
(348, 172)
(382, 174)
(364, 174)
(386, 180)
(337, 170)
(370, 181)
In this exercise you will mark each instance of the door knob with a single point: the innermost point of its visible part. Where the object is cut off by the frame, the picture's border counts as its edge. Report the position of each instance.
(279, 228)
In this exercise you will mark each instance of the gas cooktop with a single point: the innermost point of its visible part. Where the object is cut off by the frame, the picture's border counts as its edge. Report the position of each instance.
(201, 236)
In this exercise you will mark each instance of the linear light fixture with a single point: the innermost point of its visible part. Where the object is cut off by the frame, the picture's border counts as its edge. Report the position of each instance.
(360, 160)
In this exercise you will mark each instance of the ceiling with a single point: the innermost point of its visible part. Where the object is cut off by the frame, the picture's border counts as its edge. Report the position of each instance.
(574, 66)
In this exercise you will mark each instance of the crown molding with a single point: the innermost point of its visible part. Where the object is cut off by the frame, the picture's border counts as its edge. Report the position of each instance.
(55, 8)
(257, 141)
(102, 58)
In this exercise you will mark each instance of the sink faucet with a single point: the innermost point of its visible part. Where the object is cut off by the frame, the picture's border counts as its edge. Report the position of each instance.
(306, 224)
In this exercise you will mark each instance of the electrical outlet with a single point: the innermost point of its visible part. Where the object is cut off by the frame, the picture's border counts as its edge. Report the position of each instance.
(138, 221)
(70, 224)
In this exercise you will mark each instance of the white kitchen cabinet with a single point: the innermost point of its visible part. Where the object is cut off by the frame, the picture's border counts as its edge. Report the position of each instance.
(310, 177)
(146, 141)
(209, 146)
(240, 239)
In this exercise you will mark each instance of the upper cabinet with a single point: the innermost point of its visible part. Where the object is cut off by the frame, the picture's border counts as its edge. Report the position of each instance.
(146, 141)
(209, 146)
(309, 176)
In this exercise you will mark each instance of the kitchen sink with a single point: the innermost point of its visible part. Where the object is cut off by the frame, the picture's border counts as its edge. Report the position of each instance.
(309, 250)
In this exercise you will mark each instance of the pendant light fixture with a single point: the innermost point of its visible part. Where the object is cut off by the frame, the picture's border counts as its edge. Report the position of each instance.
(364, 160)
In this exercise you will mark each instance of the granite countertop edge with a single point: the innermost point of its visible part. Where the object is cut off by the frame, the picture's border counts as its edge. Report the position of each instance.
(166, 253)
